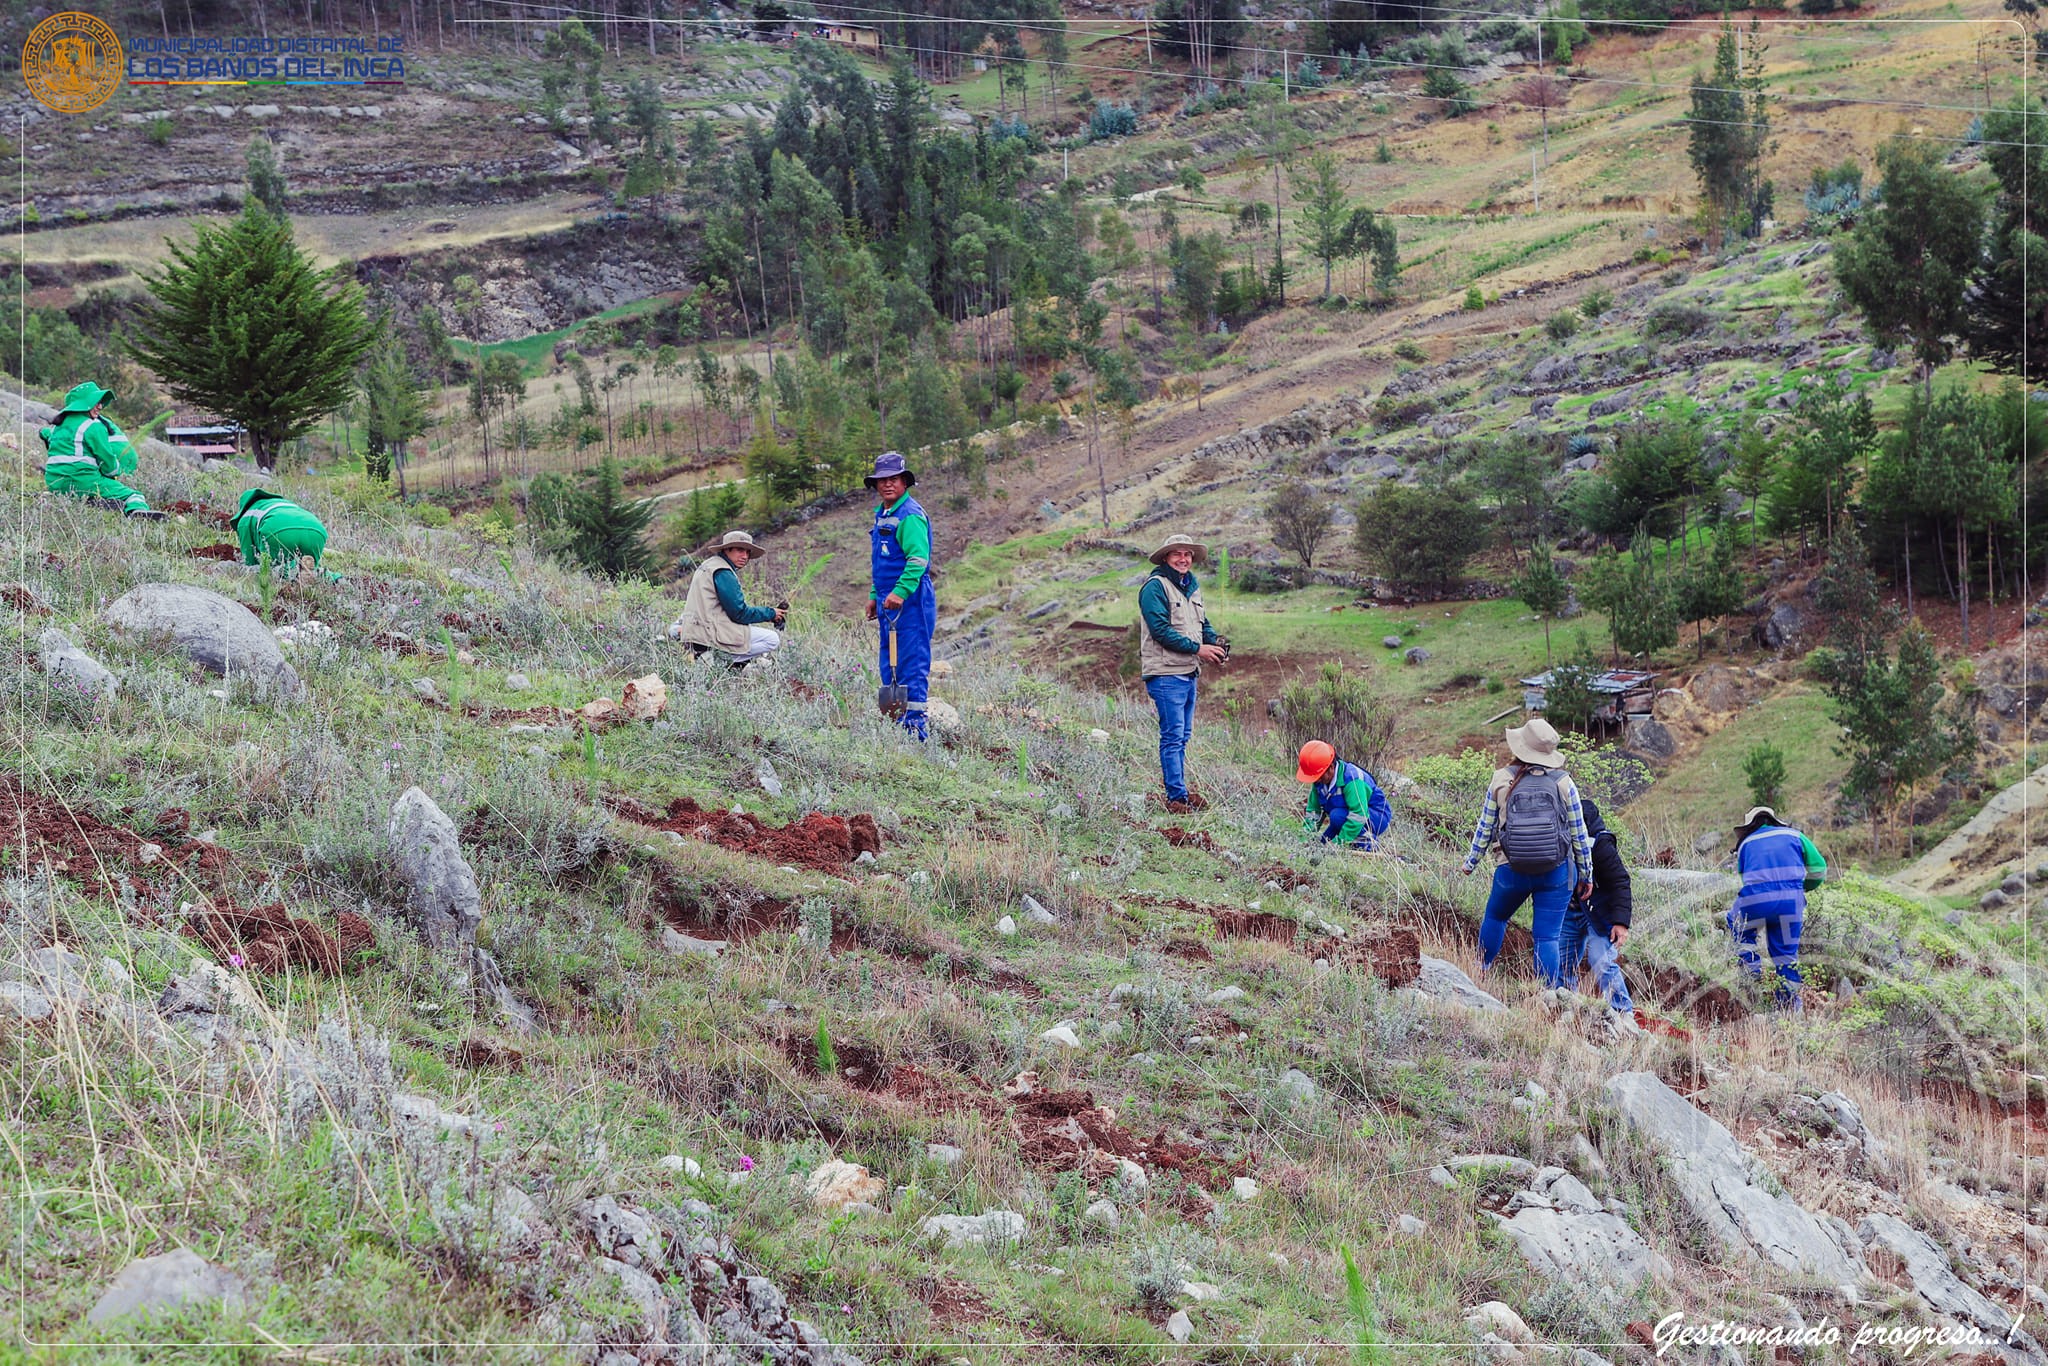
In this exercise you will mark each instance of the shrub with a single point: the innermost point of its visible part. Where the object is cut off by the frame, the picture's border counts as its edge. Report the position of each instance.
(1465, 773)
(1562, 325)
(158, 132)
(1678, 319)
(1420, 534)
(1440, 84)
(1112, 121)
(1764, 768)
(1409, 349)
(432, 515)
(1339, 706)
(1301, 516)
(1474, 300)
(1596, 303)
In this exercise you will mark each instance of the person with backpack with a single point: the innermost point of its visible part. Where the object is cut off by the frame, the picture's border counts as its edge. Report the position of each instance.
(902, 598)
(270, 526)
(1534, 812)
(716, 615)
(88, 454)
(1174, 644)
(1342, 798)
(1778, 866)
(1596, 925)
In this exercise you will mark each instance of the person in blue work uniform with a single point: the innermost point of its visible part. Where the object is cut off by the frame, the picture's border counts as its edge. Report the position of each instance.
(1778, 866)
(902, 598)
(1174, 644)
(1342, 798)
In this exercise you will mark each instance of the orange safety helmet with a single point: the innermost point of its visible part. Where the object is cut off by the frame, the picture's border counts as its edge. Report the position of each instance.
(1315, 760)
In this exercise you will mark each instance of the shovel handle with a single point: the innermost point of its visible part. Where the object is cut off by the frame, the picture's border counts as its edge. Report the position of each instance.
(892, 652)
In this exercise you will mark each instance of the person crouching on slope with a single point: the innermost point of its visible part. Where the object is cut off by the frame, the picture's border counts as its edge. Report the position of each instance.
(270, 526)
(1342, 798)
(1176, 642)
(88, 454)
(902, 598)
(715, 612)
(1533, 811)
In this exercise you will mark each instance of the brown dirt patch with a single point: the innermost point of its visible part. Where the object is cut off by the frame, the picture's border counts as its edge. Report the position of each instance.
(1255, 925)
(729, 913)
(266, 938)
(1675, 988)
(1193, 949)
(100, 855)
(214, 552)
(952, 1301)
(860, 1066)
(819, 842)
(483, 1053)
(1290, 879)
(18, 597)
(1393, 955)
(1187, 839)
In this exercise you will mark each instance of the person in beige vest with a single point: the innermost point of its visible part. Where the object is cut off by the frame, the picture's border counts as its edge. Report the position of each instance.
(1174, 643)
(715, 611)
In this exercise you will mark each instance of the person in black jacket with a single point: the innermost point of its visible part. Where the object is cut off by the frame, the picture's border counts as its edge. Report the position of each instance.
(1597, 925)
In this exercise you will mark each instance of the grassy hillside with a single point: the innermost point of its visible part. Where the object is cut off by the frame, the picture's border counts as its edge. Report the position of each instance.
(1222, 989)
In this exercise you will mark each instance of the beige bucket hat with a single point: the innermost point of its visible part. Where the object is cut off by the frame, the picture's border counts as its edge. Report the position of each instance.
(733, 540)
(1535, 743)
(1179, 542)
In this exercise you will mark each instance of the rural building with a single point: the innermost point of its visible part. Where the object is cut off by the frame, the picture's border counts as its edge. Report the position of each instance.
(222, 439)
(860, 37)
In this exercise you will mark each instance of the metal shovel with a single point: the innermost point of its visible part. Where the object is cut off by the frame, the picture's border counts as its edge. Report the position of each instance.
(892, 699)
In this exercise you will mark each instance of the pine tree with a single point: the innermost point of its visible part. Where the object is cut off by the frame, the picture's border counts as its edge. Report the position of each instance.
(1907, 261)
(1324, 210)
(394, 411)
(1543, 591)
(608, 529)
(1636, 599)
(242, 325)
(1711, 588)
(1764, 769)
(266, 175)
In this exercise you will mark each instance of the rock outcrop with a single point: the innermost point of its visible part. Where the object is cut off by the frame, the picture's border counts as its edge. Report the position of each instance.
(216, 633)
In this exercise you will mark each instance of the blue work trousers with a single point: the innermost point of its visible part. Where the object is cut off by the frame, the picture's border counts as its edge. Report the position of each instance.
(1551, 892)
(1781, 941)
(1174, 696)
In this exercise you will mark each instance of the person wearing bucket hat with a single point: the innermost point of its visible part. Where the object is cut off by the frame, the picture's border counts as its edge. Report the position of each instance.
(88, 454)
(270, 526)
(1532, 809)
(902, 597)
(1778, 866)
(1176, 642)
(1342, 797)
(715, 611)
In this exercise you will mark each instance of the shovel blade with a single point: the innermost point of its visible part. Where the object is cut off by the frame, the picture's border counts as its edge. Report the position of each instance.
(892, 699)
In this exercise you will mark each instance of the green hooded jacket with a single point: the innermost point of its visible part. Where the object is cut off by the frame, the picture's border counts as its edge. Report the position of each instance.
(288, 529)
(82, 439)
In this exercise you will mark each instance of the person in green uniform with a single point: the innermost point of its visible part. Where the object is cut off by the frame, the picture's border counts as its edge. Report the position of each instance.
(269, 525)
(88, 454)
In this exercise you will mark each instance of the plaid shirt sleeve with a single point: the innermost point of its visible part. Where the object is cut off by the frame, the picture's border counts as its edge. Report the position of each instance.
(1575, 826)
(1482, 838)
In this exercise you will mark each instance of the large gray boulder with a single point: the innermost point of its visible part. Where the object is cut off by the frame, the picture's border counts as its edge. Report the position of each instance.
(216, 633)
(63, 660)
(25, 412)
(1597, 1252)
(1927, 1266)
(1447, 982)
(167, 1283)
(446, 901)
(1719, 1183)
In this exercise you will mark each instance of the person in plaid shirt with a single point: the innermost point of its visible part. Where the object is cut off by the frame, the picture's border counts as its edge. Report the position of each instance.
(1544, 860)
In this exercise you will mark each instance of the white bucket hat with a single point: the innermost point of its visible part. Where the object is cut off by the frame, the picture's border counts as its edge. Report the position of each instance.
(1535, 744)
(733, 540)
(1179, 542)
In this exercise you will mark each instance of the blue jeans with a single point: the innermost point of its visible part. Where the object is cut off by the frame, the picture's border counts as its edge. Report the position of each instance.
(1174, 696)
(1551, 892)
(1602, 957)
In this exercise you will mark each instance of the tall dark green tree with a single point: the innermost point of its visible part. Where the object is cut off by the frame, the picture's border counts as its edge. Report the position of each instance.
(652, 166)
(241, 324)
(1709, 588)
(1324, 210)
(2006, 309)
(1420, 534)
(266, 175)
(1543, 591)
(1907, 261)
(595, 525)
(1636, 598)
(1728, 134)
(394, 410)
(1830, 448)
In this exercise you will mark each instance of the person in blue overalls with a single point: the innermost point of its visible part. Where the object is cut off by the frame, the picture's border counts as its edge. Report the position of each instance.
(1342, 798)
(1778, 866)
(902, 598)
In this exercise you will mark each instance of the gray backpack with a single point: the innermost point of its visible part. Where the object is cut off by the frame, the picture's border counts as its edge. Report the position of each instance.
(1534, 829)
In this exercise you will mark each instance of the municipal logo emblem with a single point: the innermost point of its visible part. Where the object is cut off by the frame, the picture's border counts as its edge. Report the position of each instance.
(72, 63)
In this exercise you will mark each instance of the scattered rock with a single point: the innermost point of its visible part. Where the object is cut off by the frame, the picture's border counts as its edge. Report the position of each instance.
(1927, 1266)
(1043, 610)
(517, 683)
(1102, 1214)
(63, 660)
(1223, 996)
(839, 1183)
(770, 781)
(1992, 900)
(168, 1282)
(944, 717)
(1201, 1292)
(1445, 981)
(1006, 927)
(945, 1154)
(1036, 913)
(1498, 1318)
(675, 941)
(1060, 1036)
(216, 633)
(2014, 885)
(622, 1234)
(1391, 642)
(975, 1230)
(1179, 1326)
(1244, 1188)
(1709, 842)
(445, 898)
(1415, 654)
(428, 691)
(1410, 1226)
(1298, 1086)
(24, 1001)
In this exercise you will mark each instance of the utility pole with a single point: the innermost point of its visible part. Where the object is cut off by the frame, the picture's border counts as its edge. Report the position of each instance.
(1149, 63)
(1543, 84)
(1535, 186)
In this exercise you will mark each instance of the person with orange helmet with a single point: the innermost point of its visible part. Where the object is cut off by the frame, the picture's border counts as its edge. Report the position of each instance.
(1342, 797)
